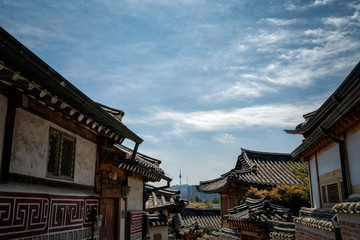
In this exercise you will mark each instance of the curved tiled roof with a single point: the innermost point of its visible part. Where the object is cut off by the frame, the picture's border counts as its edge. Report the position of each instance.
(337, 110)
(347, 207)
(206, 218)
(33, 76)
(214, 186)
(224, 233)
(317, 218)
(157, 220)
(142, 164)
(269, 169)
(282, 230)
(163, 199)
(262, 169)
(258, 210)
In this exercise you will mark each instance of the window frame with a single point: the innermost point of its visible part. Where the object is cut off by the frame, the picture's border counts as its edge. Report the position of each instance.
(61, 136)
(326, 180)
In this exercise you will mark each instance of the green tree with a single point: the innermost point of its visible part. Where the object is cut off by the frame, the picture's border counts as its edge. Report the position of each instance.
(198, 199)
(215, 200)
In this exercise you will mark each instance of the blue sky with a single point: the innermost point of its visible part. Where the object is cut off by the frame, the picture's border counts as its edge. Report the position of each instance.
(197, 80)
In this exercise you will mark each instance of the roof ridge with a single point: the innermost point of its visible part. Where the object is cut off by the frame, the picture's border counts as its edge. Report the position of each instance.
(268, 153)
(212, 180)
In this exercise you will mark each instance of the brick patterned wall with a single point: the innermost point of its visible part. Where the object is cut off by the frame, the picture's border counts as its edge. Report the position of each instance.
(349, 231)
(302, 234)
(31, 215)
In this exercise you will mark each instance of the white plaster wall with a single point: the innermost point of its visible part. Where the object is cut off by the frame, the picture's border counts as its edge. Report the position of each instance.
(135, 198)
(314, 184)
(3, 113)
(353, 148)
(85, 161)
(30, 149)
(163, 230)
(329, 160)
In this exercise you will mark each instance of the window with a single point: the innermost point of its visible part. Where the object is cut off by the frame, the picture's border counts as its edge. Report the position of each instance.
(61, 155)
(333, 193)
(323, 194)
(332, 189)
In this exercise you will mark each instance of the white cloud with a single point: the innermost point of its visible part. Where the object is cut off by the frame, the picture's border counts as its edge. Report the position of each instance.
(342, 21)
(280, 22)
(179, 123)
(226, 138)
(267, 37)
(242, 91)
(322, 2)
(316, 3)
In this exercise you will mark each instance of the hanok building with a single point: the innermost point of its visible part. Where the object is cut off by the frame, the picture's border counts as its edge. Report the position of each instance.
(259, 169)
(122, 187)
(331, 147)
(161, 205)
(62, 163)
(191, 220)
(257, 219)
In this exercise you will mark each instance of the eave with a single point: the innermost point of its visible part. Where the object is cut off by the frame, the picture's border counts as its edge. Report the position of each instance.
(331, 104)
(346, 114)
(30, 70)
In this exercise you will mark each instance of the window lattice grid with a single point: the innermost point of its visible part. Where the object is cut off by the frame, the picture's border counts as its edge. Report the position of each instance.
(323, 194)
(333, 193)
(61, 155)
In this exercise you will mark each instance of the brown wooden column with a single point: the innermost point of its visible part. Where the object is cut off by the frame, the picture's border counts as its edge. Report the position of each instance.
(13, 102)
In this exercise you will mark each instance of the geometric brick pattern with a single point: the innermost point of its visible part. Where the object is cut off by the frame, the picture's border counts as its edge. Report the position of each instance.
(31, 214)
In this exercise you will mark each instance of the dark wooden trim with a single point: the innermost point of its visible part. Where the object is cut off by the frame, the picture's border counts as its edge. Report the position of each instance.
(343, 169)
(346, 159)
(13, 101)
(48, 182)
(57, 118)
(318, 179)
(310, 184)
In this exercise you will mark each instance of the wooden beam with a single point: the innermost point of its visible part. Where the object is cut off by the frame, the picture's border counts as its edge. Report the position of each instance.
(59, 119)
(14, 99)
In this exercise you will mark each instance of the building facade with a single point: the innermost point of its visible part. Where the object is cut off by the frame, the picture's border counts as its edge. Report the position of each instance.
(331, 147)
(64, 173)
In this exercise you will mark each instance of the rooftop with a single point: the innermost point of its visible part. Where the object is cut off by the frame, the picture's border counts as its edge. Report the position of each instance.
(262, 169)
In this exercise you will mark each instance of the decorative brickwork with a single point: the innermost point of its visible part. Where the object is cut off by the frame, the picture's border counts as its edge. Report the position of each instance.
(303, 234)
(349, 231)
(26, 215)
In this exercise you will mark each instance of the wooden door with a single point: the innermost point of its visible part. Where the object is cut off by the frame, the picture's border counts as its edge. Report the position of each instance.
(247, 237)
(109, 210)
(157, 236)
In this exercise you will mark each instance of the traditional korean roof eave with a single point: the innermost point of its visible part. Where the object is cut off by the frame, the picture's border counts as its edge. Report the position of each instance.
(343, 98)
(214, 186)
(30, 69)
(346, 115)
(317, 218)
(142, 164)
(347, 208)
(255, 168)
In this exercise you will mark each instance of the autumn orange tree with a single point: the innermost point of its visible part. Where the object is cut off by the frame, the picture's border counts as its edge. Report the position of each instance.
(293, 197)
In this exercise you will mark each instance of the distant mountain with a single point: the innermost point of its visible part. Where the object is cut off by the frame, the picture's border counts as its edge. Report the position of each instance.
(189, 192)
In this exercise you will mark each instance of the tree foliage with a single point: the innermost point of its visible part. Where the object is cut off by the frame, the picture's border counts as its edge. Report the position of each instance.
(198, 199)
(293, 197)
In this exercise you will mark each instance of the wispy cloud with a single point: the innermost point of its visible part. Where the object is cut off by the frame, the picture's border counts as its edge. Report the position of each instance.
(343, 21)
(279, 22)
(316, 3)
(225, 138)
(179, 123)
(243, 91)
